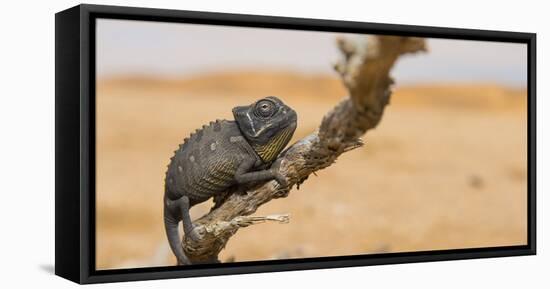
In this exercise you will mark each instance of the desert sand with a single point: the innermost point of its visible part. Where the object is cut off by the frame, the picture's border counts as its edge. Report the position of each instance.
(446, 168)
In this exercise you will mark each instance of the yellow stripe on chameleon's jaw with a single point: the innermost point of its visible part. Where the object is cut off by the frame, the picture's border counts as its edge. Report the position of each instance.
(269, 151)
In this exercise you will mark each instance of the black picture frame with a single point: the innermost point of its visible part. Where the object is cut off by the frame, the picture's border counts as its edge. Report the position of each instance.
(75, 143)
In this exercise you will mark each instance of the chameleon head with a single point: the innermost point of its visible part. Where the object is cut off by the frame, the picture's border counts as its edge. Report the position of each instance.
(268, 125)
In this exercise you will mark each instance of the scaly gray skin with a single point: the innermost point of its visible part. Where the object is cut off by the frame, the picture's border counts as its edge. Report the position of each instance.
(222, 155)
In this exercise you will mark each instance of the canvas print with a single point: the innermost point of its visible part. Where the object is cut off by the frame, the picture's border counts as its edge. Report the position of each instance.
(219, 144)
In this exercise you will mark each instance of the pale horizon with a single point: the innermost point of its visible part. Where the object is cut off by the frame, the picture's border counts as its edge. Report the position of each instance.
(179, 50)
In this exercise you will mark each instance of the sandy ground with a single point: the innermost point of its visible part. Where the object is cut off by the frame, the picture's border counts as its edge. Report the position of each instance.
(446, 168)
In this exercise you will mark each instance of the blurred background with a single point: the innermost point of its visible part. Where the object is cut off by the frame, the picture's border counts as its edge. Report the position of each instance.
(446, 168)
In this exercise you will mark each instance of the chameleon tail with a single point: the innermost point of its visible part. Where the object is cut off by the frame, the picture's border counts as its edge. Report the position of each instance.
(174, 238)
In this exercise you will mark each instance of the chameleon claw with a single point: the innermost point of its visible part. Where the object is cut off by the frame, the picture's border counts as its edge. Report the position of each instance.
(194, 235)
(281, 180)
(283, 183)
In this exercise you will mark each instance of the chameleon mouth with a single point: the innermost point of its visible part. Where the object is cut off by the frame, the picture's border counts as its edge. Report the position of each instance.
(287, 124)
(291, 119)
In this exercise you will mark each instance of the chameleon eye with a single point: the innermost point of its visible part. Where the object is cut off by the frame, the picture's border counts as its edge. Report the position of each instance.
(265, 108)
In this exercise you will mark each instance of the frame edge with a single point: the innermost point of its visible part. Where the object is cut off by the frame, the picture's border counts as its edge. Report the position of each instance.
(67, 144)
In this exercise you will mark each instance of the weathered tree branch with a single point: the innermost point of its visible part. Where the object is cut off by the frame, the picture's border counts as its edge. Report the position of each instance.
(364, 69)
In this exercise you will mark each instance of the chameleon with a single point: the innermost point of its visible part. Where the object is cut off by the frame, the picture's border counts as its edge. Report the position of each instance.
(222, 155)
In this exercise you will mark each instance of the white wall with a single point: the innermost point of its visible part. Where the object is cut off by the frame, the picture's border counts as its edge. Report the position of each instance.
(27, 144)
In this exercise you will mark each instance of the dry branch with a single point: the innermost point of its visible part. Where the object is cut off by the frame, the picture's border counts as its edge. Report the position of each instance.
(364, 69)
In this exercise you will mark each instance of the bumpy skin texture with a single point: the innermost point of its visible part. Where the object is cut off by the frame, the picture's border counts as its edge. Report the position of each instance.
(222, 155)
